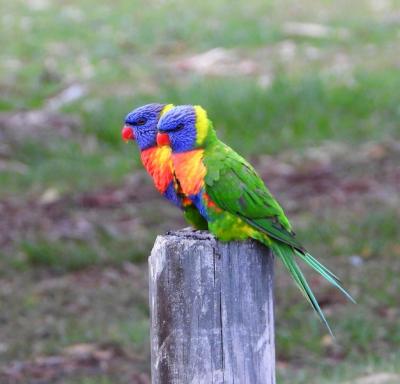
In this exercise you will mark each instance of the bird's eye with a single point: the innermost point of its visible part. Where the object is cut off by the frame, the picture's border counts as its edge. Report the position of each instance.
(179, 127)
(141, 121)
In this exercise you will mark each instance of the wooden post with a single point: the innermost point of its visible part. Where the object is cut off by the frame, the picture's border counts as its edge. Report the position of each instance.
(212, 314)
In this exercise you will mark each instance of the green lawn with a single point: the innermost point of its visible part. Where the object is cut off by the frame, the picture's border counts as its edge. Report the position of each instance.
(316, 108)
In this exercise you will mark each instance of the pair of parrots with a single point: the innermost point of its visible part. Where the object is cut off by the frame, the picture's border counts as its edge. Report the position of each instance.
(215, 187)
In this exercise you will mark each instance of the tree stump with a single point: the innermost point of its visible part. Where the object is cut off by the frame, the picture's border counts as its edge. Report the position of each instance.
(212, 312)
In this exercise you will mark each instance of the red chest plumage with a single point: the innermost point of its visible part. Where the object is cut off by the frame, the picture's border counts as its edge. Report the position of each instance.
(158, 164)
(190, 170)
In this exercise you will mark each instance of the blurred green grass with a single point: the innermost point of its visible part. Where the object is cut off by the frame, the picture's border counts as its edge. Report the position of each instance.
(290, 115)
(300, 92)
(122, 51)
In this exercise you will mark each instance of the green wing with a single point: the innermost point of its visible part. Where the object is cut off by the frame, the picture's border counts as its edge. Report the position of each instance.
(234, 185)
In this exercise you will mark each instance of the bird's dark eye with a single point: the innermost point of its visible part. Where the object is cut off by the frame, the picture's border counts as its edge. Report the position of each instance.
(179, 127)
(141, 121)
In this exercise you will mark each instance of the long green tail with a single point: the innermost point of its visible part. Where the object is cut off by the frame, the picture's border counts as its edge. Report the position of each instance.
(287, 254)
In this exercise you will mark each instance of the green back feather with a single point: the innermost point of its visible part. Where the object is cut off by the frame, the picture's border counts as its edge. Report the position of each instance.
(234, 185)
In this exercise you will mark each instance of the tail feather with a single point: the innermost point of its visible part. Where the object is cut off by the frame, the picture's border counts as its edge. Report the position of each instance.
(310, 260)
(324, 272)
(286, 254)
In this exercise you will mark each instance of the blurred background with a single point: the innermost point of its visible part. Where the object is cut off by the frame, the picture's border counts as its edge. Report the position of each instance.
(308, 91)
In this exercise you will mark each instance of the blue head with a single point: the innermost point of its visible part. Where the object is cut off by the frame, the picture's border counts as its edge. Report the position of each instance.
(141, 124)
(184, 128)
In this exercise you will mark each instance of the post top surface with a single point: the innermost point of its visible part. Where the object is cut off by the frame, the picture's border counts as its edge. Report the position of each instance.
(190, 233)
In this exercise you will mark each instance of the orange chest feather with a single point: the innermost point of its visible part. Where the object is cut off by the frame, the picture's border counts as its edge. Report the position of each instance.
(190, 170)
(158, 164)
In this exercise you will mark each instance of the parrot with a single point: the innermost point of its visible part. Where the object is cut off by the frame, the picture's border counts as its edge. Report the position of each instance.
(141, 126)
(232, 197)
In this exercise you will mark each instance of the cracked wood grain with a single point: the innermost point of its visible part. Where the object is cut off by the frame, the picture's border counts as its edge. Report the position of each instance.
(212, 314)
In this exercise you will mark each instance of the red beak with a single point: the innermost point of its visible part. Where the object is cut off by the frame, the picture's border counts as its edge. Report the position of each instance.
(162, 139)
(127, 133)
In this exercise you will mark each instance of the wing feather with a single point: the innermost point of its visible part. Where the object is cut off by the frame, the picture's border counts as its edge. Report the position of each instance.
(234, 185)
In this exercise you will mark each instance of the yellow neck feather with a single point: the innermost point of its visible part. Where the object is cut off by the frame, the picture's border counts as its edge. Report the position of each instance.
(201, 124)
(166, 109)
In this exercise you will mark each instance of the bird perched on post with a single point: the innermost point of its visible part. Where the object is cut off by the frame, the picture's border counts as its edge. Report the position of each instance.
(231, 196)
(141, 126)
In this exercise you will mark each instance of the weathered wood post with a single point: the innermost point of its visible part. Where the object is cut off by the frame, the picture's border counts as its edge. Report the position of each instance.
(212, 313)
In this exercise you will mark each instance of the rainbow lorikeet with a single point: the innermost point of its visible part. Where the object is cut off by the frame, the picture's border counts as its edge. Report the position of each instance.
(141, 126)
(230, 195)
